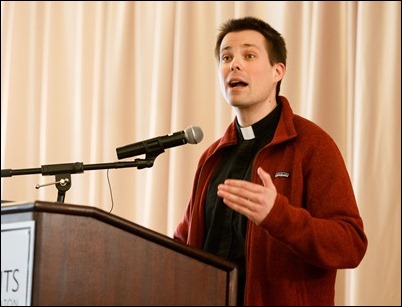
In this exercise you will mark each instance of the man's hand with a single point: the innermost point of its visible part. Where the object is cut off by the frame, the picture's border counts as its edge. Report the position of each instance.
(250, 199)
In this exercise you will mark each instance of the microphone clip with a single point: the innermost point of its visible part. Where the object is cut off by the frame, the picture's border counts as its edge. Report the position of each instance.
(153, 149)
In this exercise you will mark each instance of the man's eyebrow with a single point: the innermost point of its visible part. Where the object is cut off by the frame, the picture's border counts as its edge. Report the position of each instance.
(243, 46)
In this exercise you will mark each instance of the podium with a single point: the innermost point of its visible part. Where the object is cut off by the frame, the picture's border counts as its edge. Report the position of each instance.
(85, 256)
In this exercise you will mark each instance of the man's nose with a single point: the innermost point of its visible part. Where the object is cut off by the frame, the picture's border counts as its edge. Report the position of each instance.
(235, 65)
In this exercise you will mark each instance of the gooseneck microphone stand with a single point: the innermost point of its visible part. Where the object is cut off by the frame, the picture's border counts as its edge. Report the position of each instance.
(63, 171)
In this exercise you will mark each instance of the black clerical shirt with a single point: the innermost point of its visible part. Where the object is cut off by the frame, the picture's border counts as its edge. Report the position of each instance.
(225, 228)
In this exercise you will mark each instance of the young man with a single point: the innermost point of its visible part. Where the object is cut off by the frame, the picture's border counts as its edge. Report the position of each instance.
(273, 193)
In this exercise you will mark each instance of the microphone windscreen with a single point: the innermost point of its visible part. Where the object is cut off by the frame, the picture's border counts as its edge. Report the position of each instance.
(194, 134)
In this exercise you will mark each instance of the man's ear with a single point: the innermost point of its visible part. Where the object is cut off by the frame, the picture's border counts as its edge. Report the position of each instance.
(280, 70)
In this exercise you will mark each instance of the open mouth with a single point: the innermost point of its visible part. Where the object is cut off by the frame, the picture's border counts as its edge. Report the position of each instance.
(234, 83)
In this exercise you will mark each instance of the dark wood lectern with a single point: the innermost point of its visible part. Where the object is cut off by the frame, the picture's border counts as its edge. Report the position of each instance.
(85, 256)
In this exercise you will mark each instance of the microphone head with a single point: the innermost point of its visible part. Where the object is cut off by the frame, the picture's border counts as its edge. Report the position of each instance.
(194, 134)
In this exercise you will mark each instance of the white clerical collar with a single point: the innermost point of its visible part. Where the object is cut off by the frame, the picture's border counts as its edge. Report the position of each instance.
(247, 133)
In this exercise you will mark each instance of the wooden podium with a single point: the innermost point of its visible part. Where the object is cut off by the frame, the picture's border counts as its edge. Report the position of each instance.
(85, 256)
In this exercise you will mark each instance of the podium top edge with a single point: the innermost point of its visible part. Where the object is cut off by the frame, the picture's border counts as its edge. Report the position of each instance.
(38, 207)
(17, 204)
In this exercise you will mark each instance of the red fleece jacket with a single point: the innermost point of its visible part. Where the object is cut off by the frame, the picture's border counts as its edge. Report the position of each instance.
(314, 227)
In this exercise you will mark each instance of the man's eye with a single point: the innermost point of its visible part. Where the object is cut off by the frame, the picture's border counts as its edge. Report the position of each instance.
(225, 58)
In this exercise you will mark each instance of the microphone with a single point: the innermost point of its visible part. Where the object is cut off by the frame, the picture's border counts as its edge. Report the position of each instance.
(157, 145)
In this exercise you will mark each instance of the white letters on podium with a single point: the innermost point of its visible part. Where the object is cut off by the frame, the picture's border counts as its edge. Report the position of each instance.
(17, 244)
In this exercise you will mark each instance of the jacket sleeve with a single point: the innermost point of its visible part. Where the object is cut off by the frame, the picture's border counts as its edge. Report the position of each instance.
(181, 232)
(324, 228)
(183, 229)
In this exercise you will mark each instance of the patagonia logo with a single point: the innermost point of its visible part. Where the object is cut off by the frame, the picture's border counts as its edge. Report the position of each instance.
(282, 175)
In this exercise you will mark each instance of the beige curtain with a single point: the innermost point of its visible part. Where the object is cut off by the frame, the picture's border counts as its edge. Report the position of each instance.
(79, 79)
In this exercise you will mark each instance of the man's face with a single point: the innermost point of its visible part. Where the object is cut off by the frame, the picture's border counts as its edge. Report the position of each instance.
(247, 79)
